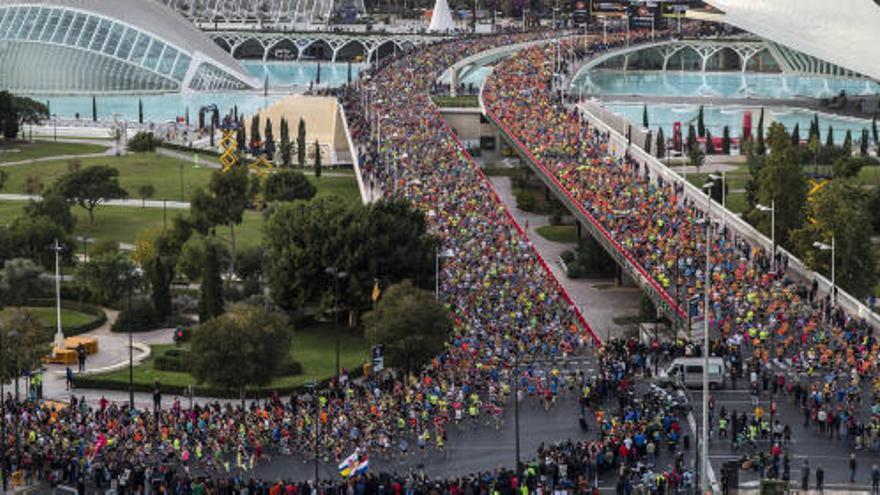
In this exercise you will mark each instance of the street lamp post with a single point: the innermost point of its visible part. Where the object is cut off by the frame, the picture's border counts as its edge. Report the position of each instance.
(772, 210)
(704, 437)
(58, 341)
(825, 247)
(55, 126)
(337, 275)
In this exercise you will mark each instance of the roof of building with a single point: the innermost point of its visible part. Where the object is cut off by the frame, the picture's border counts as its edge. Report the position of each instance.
(152, 17)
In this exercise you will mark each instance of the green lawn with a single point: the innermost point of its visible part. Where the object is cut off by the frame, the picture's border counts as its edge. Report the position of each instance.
(466, 101)
(559, 233)
(18, 152)
(314, 348)
(164, 173)
(46, 315)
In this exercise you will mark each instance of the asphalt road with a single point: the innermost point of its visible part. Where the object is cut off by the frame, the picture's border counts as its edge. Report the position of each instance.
(831, 454)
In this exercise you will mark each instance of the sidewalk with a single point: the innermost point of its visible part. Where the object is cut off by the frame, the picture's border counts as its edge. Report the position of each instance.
(600, 300)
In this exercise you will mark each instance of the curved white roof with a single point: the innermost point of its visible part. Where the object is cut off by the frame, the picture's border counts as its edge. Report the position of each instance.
(152, 17)
(843, 33)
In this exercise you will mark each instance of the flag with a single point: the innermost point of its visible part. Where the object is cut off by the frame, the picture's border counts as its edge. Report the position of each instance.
(362, 466)
(377, 292)
(348, 465)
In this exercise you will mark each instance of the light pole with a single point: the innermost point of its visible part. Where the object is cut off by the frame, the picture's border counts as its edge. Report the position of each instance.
(448, 253)
(337, 275)
(59, 334)
(825, 247)
(704, 434)
(772, 210)
(55, 126)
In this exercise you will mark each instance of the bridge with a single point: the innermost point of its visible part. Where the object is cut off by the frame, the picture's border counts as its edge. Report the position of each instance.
(466, 66)
(264, 12)
(267, 46)
(717, 54)
(674, 306)
(843, 33)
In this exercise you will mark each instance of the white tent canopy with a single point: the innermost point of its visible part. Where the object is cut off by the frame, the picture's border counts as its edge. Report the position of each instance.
(441, 18)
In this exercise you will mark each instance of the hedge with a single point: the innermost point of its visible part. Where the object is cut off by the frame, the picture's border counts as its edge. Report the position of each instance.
(89, 309)
(187, 149)
(96, 383)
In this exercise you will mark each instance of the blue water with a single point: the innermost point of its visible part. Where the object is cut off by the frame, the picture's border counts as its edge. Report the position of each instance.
(170, 107)
(718, 84)
(716, 117)
(302, 73)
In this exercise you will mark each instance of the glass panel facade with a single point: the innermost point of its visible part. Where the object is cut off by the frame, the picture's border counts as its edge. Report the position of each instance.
(153, 54)
(112, 43)
(100, 35)
(60, 49)
(88, 32)
(51, 25)
(63, 26)
(73, 34)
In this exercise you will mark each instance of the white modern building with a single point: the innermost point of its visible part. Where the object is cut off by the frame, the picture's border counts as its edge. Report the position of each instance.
(108, 47)
(845, 33)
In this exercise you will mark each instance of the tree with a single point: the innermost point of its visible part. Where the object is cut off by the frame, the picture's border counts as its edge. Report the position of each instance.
(289, 185)
(761, 147)
(874, 132)
(107, 277)
(317, 159)
(847, 143)
(850, 166)
(225, 200)
(863, 143)
(661, 144)
(710, 143)
(725, 141)
(286, 151)
(24, 341)
(256, 140)
(159, 273)
(270, 141)
(8, 116)
(145, 192)
(645, 123)
(697, 157)
(829, 139)
(90, 186)
(30, 237)
(54, 207)
(4, 177)
(140, 111)
(241, 141)
(781, 180)
(796, 135)
(691, 142)
(211, 290)
(410, 324)
(840, 211)
(94, 109)
(21, 280)
(143, 142)
(701, 125)
(257, 341)
(301, 143)
(386, 240)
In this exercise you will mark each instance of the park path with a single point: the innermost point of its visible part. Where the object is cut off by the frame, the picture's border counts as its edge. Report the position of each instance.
(600, 300)
(112, 354)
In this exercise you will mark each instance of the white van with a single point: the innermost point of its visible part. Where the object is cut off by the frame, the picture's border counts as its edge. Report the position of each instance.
(689, 372)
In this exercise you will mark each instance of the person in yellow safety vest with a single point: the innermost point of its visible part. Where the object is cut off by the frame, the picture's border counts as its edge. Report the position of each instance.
(722, 427)
(473, 410)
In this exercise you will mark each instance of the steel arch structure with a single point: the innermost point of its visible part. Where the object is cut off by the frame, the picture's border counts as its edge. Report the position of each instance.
(270, 12)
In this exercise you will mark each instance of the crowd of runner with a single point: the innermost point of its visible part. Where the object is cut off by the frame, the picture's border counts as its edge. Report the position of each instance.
(756, 308)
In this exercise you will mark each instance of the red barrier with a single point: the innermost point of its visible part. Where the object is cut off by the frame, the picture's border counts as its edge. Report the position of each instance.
(662, 292)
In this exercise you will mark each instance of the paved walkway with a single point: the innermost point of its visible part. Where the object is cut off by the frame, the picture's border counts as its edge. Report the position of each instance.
(599, 300)
(132, 203)
(112, 351)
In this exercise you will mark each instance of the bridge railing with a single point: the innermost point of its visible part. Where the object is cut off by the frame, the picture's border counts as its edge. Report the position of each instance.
(597, 115)
(634, 269)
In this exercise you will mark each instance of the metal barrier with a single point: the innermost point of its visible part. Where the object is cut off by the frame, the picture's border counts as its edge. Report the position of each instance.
(597, 115)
